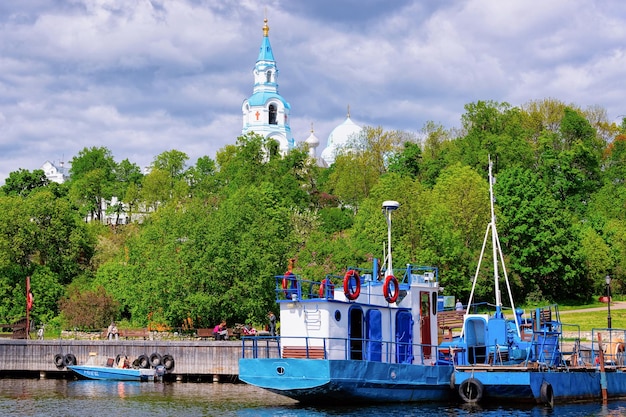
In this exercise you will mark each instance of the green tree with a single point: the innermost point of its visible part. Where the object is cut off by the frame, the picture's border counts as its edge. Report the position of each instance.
(455, 222)
(156, 188)
(537, 234)
(173, 162)
(128, 179)
(92, 179)
(570, 161)
(87, 309)
(358, 167)
(23, 182)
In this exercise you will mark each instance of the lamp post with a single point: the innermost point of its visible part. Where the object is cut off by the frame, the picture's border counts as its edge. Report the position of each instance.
(608, 294)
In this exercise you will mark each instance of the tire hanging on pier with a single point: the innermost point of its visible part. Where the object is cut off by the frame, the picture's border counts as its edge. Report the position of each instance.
(168, 362)
(155, 360)
(471, 390)
(144, 361)
(59, 361)
(69, 360)
(352, 291)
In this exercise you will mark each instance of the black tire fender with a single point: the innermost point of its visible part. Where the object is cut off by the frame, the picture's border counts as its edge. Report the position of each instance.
(59, 361)
(69, 360)
(471, 390)
(546, 394)
(155, 360)
(168, 362)
(144, 361)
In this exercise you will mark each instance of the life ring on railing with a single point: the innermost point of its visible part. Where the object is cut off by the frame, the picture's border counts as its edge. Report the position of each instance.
(290, 284)
(352, 291)
(326, 286)
(471, 390)
(391, 295)
(546, 394)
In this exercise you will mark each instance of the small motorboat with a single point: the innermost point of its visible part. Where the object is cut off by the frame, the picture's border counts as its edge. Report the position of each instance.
(118, 369)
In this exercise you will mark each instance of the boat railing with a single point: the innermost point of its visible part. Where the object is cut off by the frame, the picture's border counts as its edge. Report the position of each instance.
(547, 348)
(293, 287)
(340, 349)
(611, 342)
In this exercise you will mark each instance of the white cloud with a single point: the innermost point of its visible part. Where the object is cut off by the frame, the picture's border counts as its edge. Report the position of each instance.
(144, 76)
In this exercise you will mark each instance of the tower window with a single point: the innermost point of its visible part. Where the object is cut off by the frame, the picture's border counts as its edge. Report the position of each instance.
(273, 114)
(268, 76)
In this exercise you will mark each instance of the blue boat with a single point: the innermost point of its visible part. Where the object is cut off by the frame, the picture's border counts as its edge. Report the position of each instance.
(524, 358)
(365, 336)
(115, 372)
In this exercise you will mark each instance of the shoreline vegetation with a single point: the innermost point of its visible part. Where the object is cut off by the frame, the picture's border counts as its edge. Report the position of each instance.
(189, 245)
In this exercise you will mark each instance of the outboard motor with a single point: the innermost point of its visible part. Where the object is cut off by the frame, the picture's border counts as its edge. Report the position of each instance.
(159, 371)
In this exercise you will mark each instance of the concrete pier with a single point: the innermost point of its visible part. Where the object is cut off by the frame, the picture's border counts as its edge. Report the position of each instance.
(193, 360)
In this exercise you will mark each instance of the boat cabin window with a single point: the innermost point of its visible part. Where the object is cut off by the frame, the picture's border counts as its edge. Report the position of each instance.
(337, 315)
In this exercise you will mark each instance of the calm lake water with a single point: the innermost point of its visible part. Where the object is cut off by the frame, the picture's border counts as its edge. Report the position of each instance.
(27, 397)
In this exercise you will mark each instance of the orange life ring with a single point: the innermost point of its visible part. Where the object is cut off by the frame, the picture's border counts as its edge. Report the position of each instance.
(391, 296)
(290, 284)
(331, 287)
(352, 293)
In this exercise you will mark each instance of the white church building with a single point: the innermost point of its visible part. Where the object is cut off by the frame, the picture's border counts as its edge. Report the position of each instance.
(267, 113)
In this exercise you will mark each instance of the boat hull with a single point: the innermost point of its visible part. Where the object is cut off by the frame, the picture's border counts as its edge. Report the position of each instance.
(112, 374)
(348, 381)
(564, 386)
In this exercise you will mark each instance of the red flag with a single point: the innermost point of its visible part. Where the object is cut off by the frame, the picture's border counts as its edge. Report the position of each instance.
(29, 301)
(29, 295)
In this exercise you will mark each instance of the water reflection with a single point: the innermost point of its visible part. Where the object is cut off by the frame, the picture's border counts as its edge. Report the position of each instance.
(20, 397)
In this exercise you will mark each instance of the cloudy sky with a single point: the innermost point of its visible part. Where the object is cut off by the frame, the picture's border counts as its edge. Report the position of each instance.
(141, 77)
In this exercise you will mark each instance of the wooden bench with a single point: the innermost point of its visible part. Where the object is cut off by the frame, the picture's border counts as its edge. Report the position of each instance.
(204, 333)
(448, 321)
(134, 333)
(300, 352)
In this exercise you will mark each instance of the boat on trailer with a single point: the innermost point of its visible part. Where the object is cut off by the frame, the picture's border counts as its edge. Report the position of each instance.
(367, 336)
(524, 358)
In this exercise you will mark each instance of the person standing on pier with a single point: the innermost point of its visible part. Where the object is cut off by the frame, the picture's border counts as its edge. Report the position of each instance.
(272, 318)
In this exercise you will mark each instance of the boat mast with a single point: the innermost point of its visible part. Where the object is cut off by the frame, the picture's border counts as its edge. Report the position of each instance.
(494, 245)
(388, 207)
(497, 254)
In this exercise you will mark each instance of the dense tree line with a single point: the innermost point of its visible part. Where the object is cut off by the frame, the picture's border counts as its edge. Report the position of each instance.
(207, 239)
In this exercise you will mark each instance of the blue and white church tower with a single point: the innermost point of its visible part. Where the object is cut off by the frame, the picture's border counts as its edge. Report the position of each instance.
(266, 112)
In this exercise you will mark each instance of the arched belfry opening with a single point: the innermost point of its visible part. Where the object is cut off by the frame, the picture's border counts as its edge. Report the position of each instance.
(273, 112)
